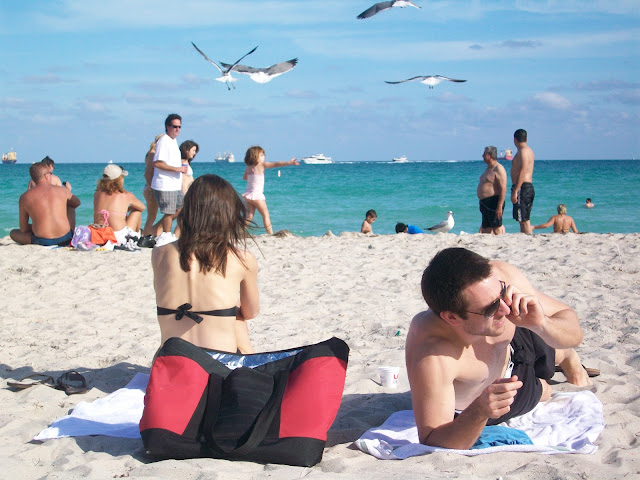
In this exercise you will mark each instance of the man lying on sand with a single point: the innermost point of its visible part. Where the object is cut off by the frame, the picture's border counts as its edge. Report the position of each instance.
(51, 209)
(485, 347)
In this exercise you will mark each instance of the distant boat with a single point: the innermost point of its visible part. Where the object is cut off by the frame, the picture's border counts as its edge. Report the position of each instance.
(506, 155)
(317, 159)
(227, 158)
(9, 157)
(402, 159)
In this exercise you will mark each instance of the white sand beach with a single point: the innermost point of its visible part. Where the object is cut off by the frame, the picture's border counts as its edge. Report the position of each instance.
(95, 312)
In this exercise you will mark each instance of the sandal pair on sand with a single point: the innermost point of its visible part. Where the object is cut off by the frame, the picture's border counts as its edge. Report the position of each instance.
(70, 382)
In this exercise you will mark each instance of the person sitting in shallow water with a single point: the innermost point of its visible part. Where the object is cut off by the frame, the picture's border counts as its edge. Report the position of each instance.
(561, 222)
(589, 203)
(115, 207)
(206, 282)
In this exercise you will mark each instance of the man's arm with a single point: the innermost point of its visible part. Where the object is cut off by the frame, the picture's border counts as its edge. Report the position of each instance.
(433, 398)
(500, 187)
(552, 320)
(162, 165)
(24, 217)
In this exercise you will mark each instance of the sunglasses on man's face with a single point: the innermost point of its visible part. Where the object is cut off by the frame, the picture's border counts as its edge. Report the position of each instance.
(491, 310)
(176, 126)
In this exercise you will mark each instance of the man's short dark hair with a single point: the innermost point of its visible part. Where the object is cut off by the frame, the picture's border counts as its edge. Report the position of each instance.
(448, 274)
(520, 135)
(400, 227)
(171, 118)
(38, 170)
(47, 161)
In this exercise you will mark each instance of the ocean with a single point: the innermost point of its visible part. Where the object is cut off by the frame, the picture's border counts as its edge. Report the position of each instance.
(310, 200)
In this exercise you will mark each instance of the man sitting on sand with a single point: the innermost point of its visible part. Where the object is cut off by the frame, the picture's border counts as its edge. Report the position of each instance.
(484, 348)
(51, 209)
(561, 222)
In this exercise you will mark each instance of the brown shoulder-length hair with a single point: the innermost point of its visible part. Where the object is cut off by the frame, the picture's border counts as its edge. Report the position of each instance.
(251, 157)
(212, 223)
(111, 186)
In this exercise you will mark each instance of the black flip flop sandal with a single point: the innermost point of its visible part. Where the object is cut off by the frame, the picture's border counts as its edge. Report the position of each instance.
(35, 379)
(71, 383)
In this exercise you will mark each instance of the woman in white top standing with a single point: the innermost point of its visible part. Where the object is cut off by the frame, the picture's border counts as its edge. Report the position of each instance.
(188, 151)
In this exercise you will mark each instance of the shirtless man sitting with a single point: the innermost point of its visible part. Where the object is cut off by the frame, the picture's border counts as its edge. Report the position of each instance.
(484, 348)
(51, 209)
(561, 222)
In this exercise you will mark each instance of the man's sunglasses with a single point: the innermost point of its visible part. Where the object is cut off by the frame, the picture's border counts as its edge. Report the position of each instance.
(491, 310)
(176, 126)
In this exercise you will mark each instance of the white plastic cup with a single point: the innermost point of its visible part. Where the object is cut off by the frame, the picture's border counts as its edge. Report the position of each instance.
(389, 376)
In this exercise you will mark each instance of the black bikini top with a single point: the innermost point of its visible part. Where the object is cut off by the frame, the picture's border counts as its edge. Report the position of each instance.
(185, 310)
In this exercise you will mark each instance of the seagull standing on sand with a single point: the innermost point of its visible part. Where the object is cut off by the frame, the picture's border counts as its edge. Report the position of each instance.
(430, 80)
(226, 73)
(444, 226)
(263, 75)
(382, 6)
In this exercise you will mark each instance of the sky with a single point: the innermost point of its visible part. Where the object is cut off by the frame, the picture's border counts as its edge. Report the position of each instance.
(89, 81)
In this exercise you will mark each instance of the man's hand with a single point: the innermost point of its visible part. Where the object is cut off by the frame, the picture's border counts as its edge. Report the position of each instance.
(514, 197)
(496, 399)
(526, 310)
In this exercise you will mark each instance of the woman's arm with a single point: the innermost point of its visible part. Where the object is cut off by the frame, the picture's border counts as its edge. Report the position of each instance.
(249, 296)
(546, 224)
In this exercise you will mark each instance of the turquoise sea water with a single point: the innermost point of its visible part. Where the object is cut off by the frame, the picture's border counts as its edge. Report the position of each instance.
(309, 200)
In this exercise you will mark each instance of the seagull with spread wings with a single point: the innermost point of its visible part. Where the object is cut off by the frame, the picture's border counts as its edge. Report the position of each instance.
(263, 75)
(226, 73)
(430, 80)
(382, 6)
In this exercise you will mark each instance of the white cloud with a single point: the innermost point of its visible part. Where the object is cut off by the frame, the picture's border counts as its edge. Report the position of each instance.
(552, 100)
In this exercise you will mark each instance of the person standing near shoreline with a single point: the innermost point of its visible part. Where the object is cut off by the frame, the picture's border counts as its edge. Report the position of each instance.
(522, 191)
(188, 151)
(254, 176)
(167, 174)
(492, 190)
(147, 193)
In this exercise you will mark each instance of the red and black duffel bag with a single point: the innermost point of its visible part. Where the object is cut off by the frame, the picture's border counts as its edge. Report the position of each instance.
(273, 407)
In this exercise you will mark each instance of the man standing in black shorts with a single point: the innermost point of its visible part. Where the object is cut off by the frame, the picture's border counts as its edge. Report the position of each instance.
(522, 191)
(492, 190)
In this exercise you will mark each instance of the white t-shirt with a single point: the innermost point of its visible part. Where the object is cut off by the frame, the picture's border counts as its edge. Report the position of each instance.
(168, 151)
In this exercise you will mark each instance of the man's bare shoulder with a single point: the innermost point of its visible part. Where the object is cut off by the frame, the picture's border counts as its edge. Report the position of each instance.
(500, 170)
(430, 335)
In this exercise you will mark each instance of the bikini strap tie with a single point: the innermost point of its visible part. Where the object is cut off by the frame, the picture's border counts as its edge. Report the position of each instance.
(183, 310)
(105, 217)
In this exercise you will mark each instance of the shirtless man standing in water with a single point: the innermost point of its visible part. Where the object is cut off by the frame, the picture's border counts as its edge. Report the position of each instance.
(522, 191)
(492, 190)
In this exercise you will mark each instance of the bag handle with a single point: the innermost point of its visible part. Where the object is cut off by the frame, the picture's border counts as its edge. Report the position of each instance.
(260, 426)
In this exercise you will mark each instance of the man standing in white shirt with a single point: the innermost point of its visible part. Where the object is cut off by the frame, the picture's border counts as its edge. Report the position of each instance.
(167, 174)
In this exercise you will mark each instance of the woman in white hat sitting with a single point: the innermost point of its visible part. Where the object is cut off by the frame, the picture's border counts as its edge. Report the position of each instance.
(114, 206)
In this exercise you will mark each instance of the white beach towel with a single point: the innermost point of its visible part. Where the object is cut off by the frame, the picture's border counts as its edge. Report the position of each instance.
(116, 415)
(568, 423)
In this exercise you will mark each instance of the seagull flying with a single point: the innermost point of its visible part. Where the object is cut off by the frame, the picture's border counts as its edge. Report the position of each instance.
(263, 75)
(226, 73)
(444, 226)
(379, 7)
(430, 80)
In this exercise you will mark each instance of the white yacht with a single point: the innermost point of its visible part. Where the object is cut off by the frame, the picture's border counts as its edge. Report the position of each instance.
(317, 159)
(402, 159)
(227, 158)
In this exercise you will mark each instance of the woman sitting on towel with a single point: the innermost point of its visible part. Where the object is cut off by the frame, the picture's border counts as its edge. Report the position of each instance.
(206, 282)
(113, 206)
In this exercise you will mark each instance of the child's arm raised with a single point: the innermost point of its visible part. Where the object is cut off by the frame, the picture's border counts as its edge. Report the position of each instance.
(293, 161)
